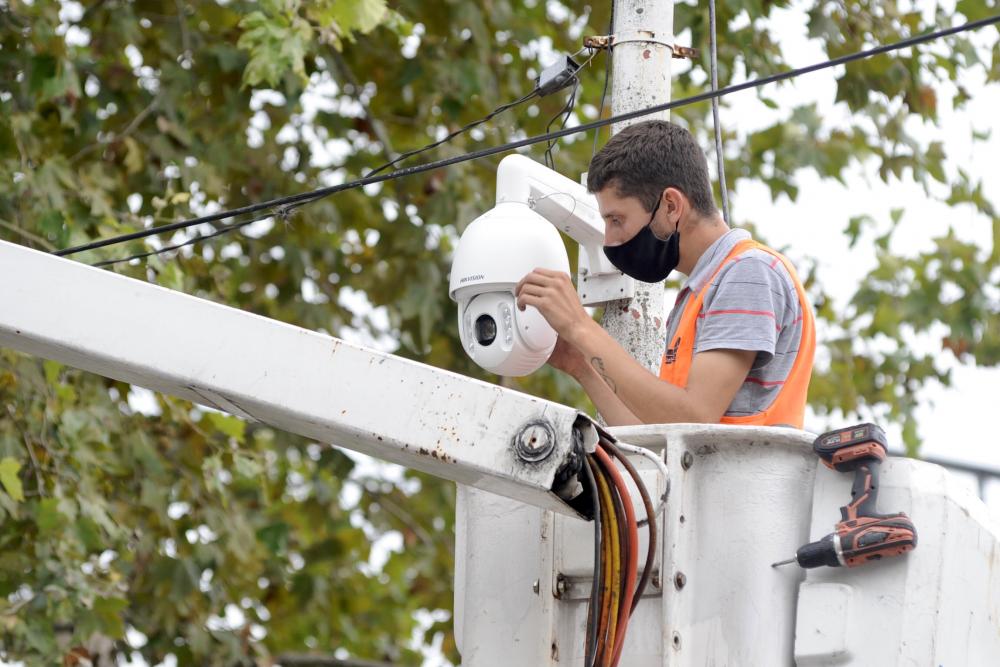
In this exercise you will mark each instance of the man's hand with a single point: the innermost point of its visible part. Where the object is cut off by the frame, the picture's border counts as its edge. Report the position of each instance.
(553, 294)
(567, 359)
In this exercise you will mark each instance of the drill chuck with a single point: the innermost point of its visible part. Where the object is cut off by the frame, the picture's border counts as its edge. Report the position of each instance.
(819, 553)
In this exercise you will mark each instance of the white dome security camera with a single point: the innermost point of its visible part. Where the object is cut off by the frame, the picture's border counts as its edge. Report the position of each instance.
(500, 247)
(495, 252)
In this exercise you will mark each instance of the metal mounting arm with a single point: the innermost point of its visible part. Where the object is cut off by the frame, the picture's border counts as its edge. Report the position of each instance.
(297, 380)
(572, 210)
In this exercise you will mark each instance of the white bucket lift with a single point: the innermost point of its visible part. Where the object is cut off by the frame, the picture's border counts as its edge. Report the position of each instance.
(740, 498)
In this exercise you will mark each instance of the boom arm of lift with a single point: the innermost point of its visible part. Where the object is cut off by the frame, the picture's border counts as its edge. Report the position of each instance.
(301, 381)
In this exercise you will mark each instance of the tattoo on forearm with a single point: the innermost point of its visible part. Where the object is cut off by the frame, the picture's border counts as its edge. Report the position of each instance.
(598, 365)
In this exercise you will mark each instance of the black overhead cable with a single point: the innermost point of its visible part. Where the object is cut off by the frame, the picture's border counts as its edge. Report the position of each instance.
(607, 75)
(306, 197)
(466, 128)
(219, 231)
(283, 211)
(719, 155)
(565, 113)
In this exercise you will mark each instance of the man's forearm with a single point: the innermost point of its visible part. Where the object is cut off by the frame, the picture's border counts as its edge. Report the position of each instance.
(622, 389)
(611, 408)
(616, 379)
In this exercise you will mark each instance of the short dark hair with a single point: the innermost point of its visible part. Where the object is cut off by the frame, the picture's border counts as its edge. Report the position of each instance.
(646, 158)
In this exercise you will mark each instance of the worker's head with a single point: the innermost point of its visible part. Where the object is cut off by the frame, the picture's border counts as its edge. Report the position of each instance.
(651, 183)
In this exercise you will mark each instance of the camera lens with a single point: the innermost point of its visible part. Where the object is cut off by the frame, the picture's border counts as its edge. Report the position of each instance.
(486, 330)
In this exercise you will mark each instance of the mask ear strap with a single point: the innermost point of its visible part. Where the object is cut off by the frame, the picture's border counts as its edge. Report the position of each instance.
(655, 209)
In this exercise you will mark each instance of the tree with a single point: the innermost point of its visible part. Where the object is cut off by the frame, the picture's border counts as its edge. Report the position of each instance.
(123, 114)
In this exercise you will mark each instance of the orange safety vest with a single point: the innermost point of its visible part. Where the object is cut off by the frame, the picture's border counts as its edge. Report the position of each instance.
(789, 405)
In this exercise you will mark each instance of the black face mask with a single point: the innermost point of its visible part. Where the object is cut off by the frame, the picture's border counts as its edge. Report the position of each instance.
(646, 257)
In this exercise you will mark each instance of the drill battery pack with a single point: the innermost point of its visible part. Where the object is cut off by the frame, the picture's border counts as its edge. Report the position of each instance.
(841, 449)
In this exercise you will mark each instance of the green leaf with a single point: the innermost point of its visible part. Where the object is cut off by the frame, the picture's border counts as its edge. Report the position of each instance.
(234, 427)
(853, 230)
(52, 225)
(109, 616)
(41, 639)
(274, 536)
(50, 520)
(97, 510)
(52, 370)
(42, 70)
(9, 469)
(349, 16)
(171, 276)
(64, 82)
(89, 534)
(276, 44)
(134, 158)
(247, 467)
(974, 10)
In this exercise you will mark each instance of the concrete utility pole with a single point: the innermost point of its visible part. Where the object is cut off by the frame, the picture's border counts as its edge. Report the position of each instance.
(643, 32)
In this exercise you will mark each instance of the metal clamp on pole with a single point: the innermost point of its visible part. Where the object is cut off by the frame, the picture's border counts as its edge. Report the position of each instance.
(643, 36)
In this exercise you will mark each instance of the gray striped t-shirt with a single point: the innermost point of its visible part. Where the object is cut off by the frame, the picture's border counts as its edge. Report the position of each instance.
(750, 305)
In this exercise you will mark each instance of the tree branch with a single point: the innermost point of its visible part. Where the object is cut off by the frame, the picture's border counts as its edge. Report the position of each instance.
(347, 75)
(34, 464)
(402, 516)
(26, 234)
(31, 452)
(129, 129)
(378, 127)
(182, 23)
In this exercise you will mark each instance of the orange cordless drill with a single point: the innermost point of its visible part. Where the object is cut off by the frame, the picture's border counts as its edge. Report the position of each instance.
(862, 534)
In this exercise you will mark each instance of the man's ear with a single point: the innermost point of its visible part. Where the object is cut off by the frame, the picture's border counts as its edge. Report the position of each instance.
(675, 203)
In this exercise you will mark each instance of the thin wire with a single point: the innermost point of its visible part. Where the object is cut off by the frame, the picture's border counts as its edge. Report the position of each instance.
(603, 599)
(632, 564)
(201, 237)
(564, 112)
(534, 201)
(661, 466)
(715, 115)
(313, 195)
(607, 75)
(647, 569)
(611, 555)
(620, 550)
(228, 228)
(231, 214)
(591, 650)
(500, 109)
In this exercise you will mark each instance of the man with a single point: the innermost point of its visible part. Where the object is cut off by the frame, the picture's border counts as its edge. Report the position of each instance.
(740, 338)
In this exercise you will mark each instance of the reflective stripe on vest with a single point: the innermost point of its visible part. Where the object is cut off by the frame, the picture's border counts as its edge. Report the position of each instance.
(788, 407)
